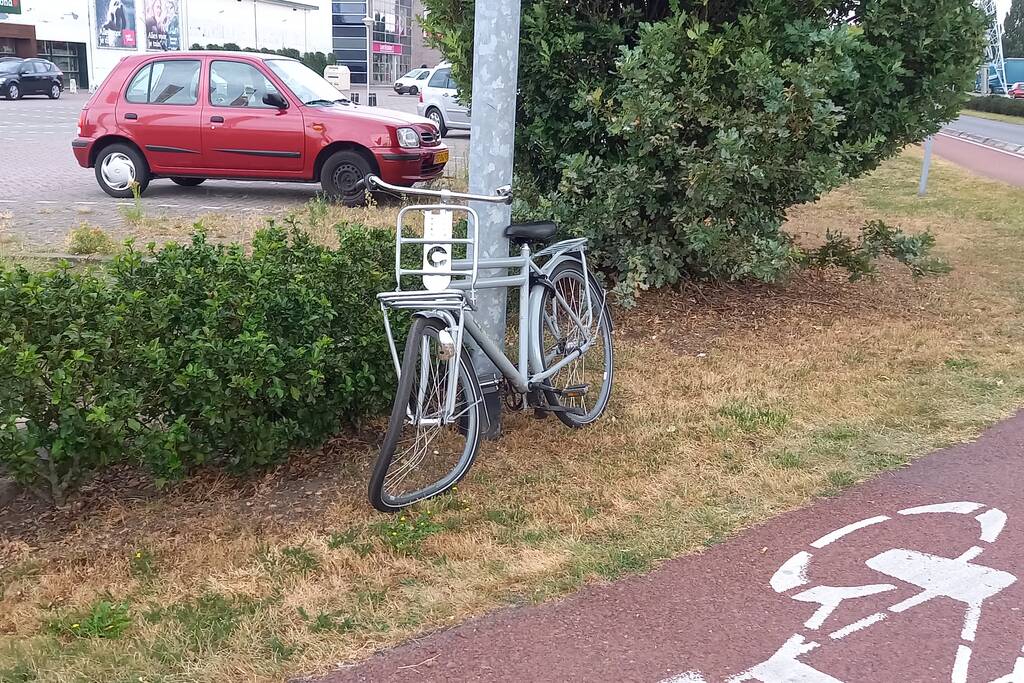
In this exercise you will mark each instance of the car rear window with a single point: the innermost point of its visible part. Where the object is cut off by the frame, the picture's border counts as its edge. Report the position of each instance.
(440, 78)
(172, 81)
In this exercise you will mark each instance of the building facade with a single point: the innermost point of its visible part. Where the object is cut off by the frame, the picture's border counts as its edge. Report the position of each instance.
(86, 38)
(396, 43)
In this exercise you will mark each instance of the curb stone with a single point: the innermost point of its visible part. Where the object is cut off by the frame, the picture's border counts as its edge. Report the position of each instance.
(988, 142)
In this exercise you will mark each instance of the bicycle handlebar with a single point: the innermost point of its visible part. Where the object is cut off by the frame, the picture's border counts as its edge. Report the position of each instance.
(503, 196)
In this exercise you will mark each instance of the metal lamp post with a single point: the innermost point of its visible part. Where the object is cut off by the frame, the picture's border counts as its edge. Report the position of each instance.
(492, 145)
(368, 22)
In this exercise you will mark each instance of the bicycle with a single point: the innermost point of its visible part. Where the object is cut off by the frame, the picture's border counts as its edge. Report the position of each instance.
(437, 421)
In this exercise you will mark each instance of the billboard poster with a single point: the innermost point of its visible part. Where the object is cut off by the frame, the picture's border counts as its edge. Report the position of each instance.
(163, 25)
(10, 6)
(115, 24)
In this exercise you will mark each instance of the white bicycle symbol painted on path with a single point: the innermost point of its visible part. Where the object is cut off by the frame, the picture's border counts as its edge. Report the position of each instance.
(959, 579)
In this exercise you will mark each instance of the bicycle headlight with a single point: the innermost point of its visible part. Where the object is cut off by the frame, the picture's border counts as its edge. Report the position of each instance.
(408, 137)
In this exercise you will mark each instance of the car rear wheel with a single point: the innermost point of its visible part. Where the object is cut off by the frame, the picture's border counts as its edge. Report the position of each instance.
(54, 92)
(187, 182)
(119, 168)
(341, 174)
(434, 115)
(13, 92)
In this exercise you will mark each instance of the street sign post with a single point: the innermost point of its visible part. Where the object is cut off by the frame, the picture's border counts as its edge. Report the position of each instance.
(926, 168)
(495, 74)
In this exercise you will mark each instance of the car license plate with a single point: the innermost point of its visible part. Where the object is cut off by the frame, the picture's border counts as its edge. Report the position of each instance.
(441, 157)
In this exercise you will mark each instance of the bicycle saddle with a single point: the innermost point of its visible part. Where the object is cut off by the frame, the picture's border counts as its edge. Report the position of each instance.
(536, 231)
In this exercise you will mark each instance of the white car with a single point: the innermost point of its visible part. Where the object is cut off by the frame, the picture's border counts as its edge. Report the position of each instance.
(412, 82)
(439, 101)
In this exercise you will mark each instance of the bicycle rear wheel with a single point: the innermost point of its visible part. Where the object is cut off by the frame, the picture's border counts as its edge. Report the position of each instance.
(584, 386)
(424, 454)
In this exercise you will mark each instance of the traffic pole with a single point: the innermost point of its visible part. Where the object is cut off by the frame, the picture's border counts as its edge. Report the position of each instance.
(926, 168)
(492, 148)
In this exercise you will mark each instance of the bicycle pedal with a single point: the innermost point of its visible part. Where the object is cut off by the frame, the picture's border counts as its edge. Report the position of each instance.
(575, 391)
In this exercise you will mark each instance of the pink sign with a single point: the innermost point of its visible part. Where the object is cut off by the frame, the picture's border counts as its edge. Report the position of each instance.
(387, 48)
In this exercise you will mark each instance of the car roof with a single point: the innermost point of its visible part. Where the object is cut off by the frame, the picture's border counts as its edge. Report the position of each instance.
(212, 53)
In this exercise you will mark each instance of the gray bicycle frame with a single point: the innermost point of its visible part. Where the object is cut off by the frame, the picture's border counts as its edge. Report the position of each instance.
(455, 306)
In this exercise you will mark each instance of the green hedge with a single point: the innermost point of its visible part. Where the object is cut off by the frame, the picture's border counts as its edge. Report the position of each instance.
(317, 61)
(191, 354)
(677, 135)
(996, 105)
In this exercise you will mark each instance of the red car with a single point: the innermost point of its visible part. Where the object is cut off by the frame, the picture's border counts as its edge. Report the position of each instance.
(191, 116)
(1016, 91)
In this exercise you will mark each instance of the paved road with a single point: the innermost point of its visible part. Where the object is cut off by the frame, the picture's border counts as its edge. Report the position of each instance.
(912, 577)
(44, 193)
(1007, 132)
(986, 161)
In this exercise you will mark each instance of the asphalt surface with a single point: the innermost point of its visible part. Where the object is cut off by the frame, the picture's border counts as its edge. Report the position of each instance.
(986, 161)
(44, 192)
(912, 577)
(1007, 132)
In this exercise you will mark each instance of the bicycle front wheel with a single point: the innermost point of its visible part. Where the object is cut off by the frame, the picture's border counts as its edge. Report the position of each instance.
(428, 448)
(570, 314)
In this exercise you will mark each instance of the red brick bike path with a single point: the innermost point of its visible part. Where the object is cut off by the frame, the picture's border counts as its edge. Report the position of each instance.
(909, 577)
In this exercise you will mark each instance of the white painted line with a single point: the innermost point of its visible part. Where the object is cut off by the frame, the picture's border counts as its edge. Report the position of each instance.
(971, 620)
(830, 597)
(8, 201)
(212, 208)
(45, 201)
(791, 574)
(992, 523)
(87, 203)
(970, 554)
(848, 529)
(962, 508)
(960, 666)
(857, 626)
(168, 206)
(978, 144)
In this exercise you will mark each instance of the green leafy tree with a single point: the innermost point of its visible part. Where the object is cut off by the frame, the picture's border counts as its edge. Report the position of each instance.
(676, 134)
(1013, 30)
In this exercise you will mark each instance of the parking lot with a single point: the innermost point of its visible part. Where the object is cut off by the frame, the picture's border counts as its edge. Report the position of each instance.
(44, 193)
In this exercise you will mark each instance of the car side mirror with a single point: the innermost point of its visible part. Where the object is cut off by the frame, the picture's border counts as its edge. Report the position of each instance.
(274, 99)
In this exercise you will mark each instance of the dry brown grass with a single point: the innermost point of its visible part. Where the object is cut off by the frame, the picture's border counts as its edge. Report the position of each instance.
(732, 404)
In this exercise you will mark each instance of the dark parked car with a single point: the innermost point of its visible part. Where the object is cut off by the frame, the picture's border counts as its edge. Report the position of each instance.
(20, 77)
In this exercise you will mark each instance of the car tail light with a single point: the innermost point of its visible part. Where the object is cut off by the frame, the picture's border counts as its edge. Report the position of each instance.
(82, 120)
(421, 97)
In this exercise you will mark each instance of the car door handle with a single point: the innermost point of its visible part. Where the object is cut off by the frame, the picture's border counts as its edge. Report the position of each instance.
(131, 116)
(216, 119)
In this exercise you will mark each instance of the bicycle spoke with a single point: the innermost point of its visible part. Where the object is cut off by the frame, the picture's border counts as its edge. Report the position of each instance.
(432, 448)
(574, 317)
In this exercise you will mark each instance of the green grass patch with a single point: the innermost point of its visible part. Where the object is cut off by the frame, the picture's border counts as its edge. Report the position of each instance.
(106, 618)
(751, 418)
(406, 533)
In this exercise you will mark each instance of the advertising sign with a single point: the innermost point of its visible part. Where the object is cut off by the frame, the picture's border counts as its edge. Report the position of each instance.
(387, 48)
(10, 6)
(163, 25)
(115, 24)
